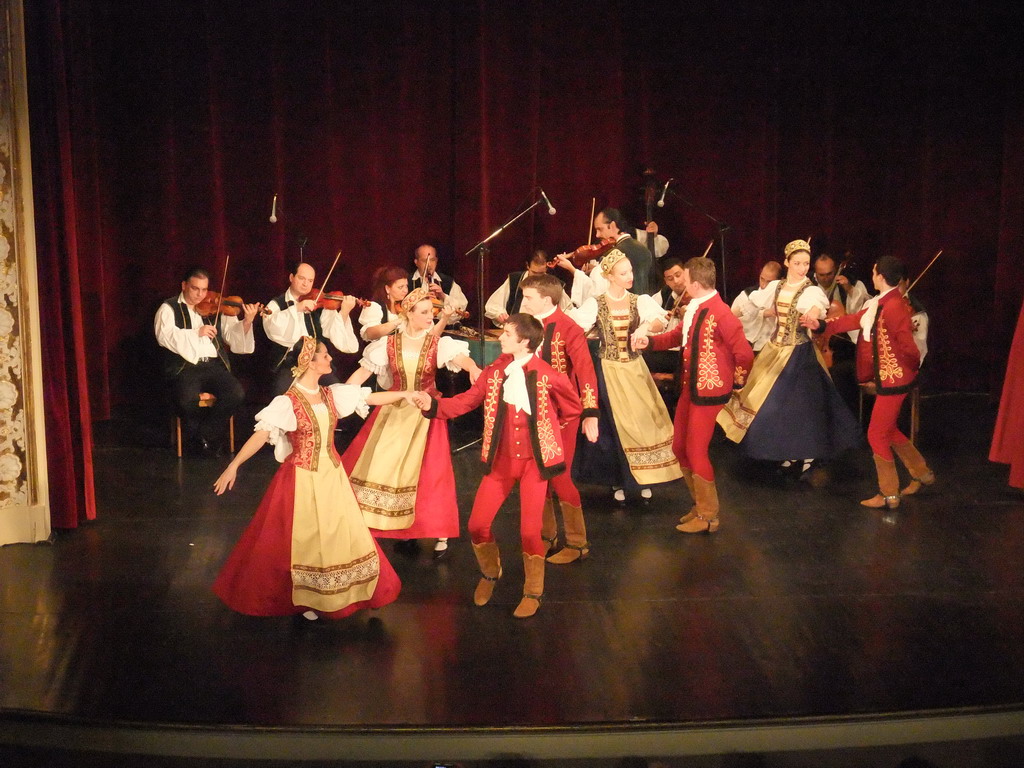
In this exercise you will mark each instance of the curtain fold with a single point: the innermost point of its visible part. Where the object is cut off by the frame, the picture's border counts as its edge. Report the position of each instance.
(64, 349)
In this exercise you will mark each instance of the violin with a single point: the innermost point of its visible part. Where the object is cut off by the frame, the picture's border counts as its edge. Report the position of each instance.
(229, 306)
(331, 299)
(586, 253)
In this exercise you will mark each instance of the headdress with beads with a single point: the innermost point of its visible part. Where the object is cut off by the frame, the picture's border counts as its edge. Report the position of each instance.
(413, 298)
(613, 257)
(796, 246)
(305, 356)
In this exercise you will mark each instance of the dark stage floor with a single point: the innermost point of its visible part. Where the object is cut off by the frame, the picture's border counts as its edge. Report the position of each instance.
(806, 614)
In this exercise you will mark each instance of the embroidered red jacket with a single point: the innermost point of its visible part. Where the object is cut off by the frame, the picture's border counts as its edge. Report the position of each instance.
(716, 354)
(553, 401)
(891, 359)
(565, 349)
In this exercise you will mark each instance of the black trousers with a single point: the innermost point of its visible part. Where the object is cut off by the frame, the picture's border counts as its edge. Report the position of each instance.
(213, 377)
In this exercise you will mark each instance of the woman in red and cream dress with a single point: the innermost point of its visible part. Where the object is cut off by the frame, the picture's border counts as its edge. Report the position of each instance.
(307, 550)
(400, 463)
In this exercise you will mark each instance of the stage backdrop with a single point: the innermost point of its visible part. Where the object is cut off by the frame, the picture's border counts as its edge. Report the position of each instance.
(162, 130)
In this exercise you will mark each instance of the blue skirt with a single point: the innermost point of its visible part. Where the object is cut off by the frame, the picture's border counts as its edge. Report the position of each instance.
(803, 416)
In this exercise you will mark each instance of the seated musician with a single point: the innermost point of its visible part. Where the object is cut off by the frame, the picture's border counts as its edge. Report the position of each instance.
(384, 314)
(664, 364)
(195, 359)
(846, 297)
(918, 319)
(756, 326)
(508, 299)
(295, 314)
(443, 288)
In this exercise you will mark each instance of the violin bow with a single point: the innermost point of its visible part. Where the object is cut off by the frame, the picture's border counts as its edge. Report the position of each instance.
(223, 285)
(329, 271)
(590, 223)
(911, 286)
(708, 249)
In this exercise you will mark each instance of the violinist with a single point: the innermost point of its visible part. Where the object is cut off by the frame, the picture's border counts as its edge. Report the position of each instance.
(195, 358)
(443, 288)
(384, 313)
(757, 326)
(846, 297)
(508, 299)
(611, 227)
(664, 364)
(295, 314)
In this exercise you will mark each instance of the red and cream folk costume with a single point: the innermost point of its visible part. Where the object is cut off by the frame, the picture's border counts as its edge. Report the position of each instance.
(716, 354)
(307, 547)
(522, 442)
(887, 361)
(565, 349)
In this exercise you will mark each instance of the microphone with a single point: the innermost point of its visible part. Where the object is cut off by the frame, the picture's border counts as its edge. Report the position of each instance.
(551, 208)
(273, 211)
(664, 191)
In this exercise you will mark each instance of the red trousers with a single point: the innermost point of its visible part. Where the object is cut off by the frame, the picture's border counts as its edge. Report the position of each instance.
(495, 488)
(562, 485)
(882, 430)
(691, 435)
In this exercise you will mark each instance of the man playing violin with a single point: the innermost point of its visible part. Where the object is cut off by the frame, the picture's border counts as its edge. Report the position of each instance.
(664, 363)
(195, 358)
(846, 297)
(445, 291)
(295, 314)
(610, 226)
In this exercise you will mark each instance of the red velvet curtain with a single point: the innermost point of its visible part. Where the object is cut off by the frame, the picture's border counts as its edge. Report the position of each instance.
(384, 125)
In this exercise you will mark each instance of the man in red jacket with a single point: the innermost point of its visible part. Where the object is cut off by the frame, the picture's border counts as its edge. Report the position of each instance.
(526, 403)
(716, 355)
(887, 362)
(564, 348)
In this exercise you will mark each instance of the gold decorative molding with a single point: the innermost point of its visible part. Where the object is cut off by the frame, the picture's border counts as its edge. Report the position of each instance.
(24, 502)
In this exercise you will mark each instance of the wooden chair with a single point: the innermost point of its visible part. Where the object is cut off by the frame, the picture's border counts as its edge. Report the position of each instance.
(868, 390)
(206, 399)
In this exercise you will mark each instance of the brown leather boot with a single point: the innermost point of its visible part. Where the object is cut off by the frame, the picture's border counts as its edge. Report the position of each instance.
(548, 525)
(490, 570)
(688, 479)
(888, 485)
(533, 586)
(916, 466)
(705, 519)
(576, 545)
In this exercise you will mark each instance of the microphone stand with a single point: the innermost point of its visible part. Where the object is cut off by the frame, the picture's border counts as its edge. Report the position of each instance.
(722, 227)
(482, 251)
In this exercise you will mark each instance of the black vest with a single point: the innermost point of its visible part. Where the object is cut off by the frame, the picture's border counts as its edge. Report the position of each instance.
(173, 363)
(446, 283)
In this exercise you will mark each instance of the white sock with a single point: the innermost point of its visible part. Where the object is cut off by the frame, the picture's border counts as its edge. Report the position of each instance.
(441, 545)
(646, 493)
(310, 615)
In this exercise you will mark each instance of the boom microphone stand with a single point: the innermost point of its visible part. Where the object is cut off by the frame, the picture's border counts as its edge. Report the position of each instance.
(482, 251)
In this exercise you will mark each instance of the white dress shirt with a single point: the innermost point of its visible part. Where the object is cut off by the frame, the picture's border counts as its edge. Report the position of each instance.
(187, 343)
(286, 325)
